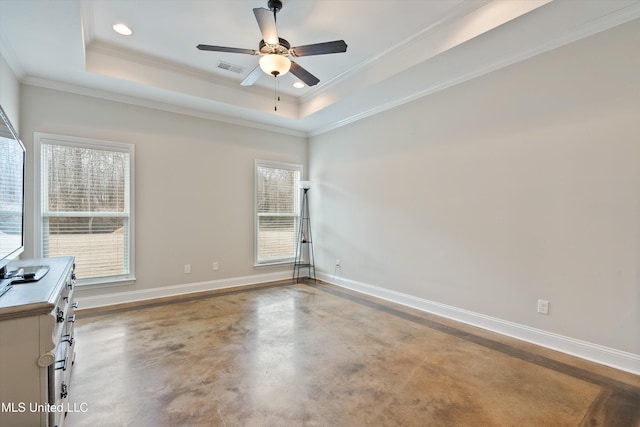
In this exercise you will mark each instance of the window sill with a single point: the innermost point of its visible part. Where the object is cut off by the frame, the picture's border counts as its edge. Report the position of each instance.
(273, 264)
(106, 282)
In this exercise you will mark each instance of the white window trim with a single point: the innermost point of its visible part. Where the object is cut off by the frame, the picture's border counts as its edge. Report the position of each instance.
(280, 165)
(40, 138)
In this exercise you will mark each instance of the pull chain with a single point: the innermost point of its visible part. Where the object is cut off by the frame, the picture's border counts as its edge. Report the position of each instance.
(276, 93)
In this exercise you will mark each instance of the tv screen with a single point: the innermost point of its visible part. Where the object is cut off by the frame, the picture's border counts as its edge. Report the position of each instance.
(12, 168)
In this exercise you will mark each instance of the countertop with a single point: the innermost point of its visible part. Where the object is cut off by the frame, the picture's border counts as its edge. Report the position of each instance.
(35, 298)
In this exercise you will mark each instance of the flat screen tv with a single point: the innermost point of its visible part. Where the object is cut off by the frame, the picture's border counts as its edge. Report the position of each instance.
(12, 171)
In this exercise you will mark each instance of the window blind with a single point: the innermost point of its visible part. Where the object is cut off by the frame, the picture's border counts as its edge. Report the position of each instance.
(277, 208)
(12, 165)
(86, 208)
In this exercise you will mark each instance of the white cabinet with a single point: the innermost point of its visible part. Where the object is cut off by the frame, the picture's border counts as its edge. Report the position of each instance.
(37, 346)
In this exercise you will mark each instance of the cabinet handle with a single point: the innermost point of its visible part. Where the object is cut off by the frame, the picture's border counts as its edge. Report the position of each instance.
(71, 319)
(59, 315)
(64, 391)
(68, 338)
(64, 364)
(74, 305)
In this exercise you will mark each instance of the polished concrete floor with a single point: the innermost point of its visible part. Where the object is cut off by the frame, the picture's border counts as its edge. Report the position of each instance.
(312, 354)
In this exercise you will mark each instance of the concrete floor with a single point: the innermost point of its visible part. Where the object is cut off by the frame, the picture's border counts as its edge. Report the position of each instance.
(316, 355)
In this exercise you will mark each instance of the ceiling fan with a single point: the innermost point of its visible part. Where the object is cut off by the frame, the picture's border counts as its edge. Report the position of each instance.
(275, 51)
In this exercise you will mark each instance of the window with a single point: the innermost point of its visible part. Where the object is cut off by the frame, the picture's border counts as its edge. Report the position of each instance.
(85, 205)
(277, 206)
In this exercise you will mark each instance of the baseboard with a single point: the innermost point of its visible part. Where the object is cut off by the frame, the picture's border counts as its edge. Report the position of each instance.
(618, 359)
(174, 290)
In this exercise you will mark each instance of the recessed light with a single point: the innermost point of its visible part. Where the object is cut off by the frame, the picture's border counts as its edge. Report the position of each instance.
(298, 85)
(122, 29)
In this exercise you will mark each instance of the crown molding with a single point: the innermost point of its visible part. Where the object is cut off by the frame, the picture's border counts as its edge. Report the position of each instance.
(100, 47)
(156, 105)
(412, 43)
(619, 17)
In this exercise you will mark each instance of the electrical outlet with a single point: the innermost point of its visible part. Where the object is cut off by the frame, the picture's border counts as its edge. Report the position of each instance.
(543, 306)
(187, 268)
(338, 263)
(216, 266)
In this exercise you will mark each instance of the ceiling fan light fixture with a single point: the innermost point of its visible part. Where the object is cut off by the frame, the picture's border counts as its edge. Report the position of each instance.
(275, 50)
(275, 65)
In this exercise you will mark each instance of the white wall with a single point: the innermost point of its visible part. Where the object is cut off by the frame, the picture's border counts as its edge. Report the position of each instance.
(9, 93)
(519, 185)
(194, 186)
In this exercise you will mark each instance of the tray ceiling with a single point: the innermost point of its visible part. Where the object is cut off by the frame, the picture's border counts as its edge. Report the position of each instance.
(397, 51)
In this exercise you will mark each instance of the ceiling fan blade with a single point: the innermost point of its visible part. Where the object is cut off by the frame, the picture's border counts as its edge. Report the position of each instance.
(308, 78)
(252, 77)
(267, 23)
(226, 49)
(336, 46)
